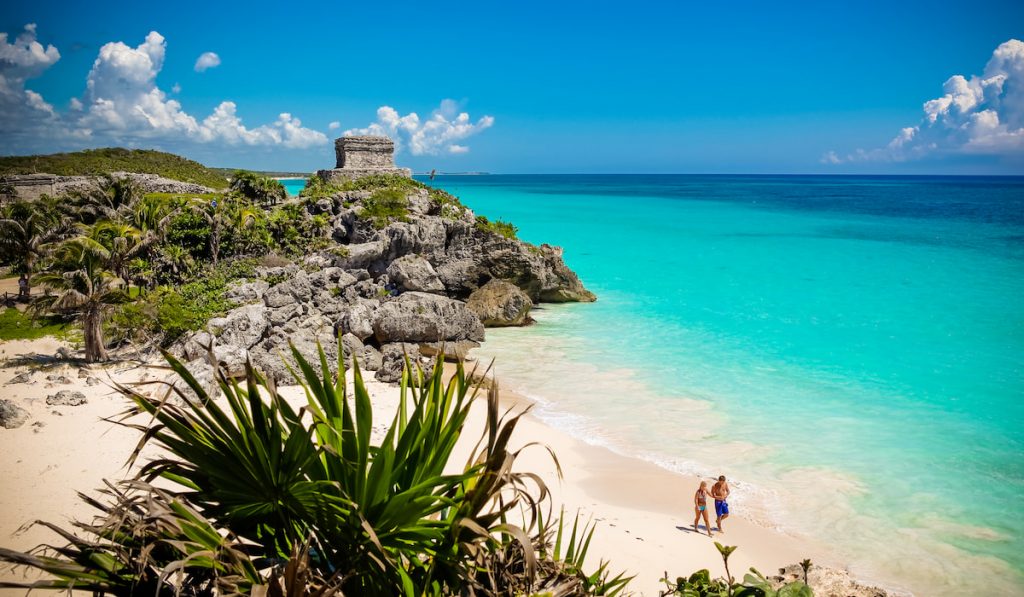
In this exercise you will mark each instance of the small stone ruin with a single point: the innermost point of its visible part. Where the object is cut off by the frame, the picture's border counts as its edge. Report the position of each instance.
(362, 156)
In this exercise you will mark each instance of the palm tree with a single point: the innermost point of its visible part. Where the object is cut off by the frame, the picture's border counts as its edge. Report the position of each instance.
(152, 215)
(222, 213)
(26, 232)
(113, 198)
(263, 189)
(123, 243)
(83, 286)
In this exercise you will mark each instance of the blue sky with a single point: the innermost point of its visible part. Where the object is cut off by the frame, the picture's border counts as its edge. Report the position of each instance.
(546, 87)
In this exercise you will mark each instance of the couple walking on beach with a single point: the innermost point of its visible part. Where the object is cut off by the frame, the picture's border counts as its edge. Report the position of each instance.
(720, 493)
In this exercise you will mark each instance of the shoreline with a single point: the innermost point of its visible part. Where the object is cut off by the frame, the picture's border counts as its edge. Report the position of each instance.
(644, 514)
(642, 510)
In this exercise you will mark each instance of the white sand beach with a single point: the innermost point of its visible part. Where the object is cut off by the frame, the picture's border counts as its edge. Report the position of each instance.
(643, 512)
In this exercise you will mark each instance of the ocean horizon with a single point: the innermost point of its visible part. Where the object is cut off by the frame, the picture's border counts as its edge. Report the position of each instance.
(847, 348)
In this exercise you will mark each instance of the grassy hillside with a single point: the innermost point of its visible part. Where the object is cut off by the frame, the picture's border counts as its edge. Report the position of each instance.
(114, 159)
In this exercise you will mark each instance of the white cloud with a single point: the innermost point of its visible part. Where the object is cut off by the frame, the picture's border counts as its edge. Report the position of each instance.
(982, 115)
(206, 61)
(334, 125)
(21, 60)
(122, 103)
(176, 88)
(438, 133)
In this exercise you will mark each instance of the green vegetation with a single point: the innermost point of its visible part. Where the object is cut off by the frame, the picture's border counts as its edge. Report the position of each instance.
(501, 227)
(385, 205)
(700, 583)
(17, 325)
(84, 286)
(260, 189)
(129, 266)
(97, 162)
(167, 313)
(260, 496)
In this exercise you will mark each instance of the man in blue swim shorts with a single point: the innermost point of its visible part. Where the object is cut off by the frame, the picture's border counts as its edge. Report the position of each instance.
(720, 491)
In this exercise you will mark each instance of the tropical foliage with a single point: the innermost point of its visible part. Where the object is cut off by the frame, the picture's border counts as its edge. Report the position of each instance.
(266, 498)
(82, 285)
(700, 583)
(500, 227)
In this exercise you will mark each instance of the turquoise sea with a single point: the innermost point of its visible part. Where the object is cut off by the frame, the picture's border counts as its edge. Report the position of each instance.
(292, 186)
(849, 349)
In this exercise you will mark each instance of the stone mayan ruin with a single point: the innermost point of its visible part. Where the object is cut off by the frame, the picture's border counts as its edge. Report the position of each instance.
(362, 156)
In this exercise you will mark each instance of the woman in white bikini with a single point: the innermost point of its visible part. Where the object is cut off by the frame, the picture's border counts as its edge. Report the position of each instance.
(700, 507)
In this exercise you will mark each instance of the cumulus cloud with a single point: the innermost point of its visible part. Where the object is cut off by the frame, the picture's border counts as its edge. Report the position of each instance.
(206, 61)
(122, 102)
(982, 115)
(334, 125)
(20, 60)
(432, 135)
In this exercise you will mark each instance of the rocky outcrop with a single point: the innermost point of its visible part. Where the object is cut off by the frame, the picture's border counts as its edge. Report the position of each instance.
(415, 273)
(827, 582)
(12, 416)
(148, 183)
(425, 282)
(394, 358)
(422, 317)
(66, 398)
(499, 304)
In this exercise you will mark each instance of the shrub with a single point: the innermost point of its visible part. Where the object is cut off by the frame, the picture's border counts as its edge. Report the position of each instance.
(261, 189)
(294, 232)
(168, 313)
(506, 229)
(385, 205)
(318, 188)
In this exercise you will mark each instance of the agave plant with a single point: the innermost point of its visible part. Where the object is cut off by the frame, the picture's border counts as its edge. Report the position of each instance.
(143, 541)
(274, 500)
(385, 514)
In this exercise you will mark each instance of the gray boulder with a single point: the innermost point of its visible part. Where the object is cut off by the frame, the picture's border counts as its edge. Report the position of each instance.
(369, 358)
(12, 416)
(66, 398)
(357, 319)
(281, 315)
(393, 361)
(273, 356)
(242, 327)
(422, 317)
(296, 289)
(499, 304)
(204, 374)
(415, 273)
(362, 255)
(245, 292)
(424, 236)
(21, 378)
(461, 276)
(457, 350)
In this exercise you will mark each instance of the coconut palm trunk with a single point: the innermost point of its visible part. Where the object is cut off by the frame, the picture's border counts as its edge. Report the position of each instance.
(95, 347)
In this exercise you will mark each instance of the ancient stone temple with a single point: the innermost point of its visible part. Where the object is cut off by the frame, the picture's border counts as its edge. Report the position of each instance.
(363, 156)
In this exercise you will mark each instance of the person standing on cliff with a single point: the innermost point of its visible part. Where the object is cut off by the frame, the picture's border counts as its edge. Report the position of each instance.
(720, 491)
